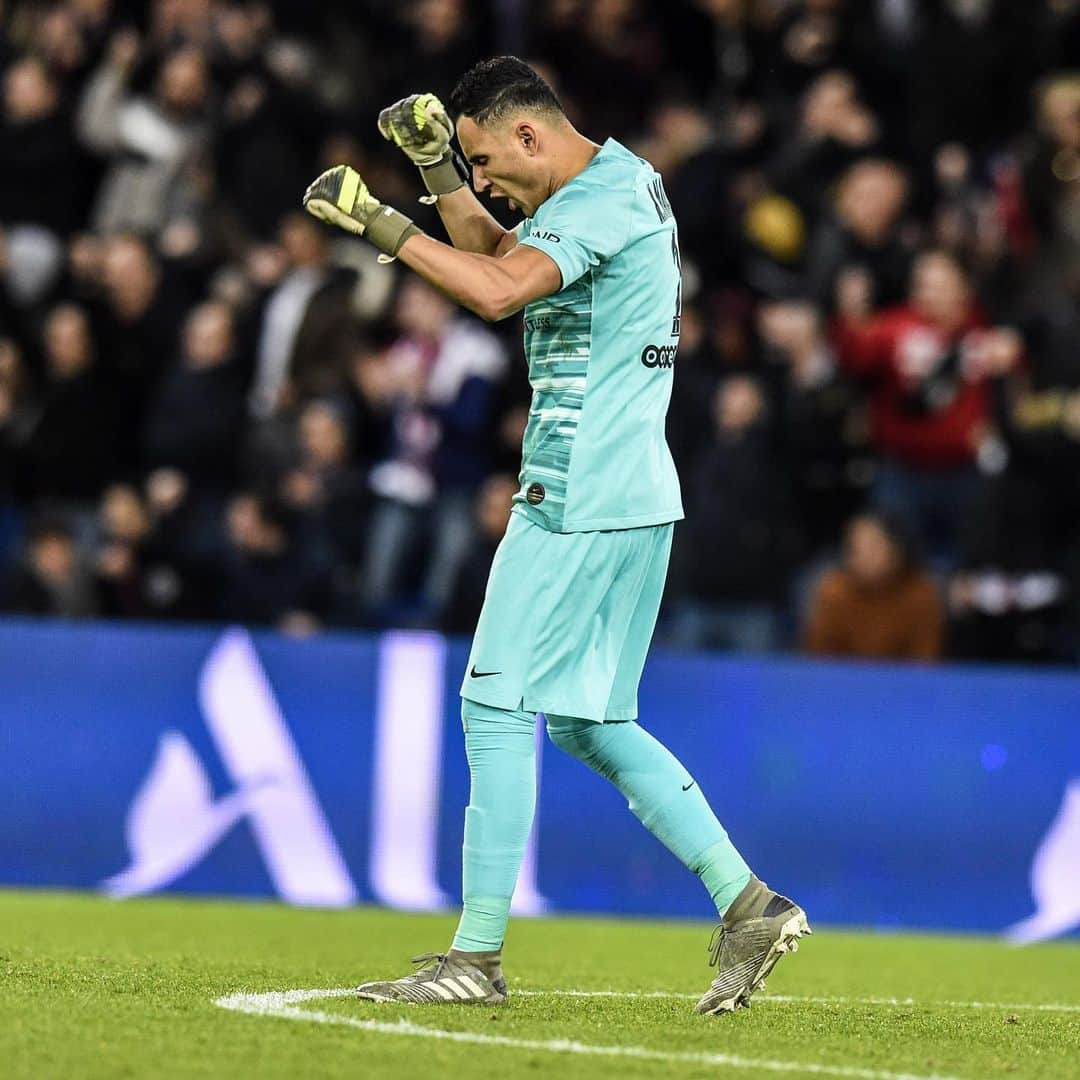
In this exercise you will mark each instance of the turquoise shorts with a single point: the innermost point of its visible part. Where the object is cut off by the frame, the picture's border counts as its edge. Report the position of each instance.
(567, 620)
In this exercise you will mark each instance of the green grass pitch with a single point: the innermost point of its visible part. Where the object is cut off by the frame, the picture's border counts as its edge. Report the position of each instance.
(96, 988)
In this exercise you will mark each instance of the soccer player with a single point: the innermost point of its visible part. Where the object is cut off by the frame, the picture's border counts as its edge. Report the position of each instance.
(575, 587)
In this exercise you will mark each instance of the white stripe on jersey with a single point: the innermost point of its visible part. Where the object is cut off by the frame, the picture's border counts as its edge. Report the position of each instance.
(556, 414)
(559, 382)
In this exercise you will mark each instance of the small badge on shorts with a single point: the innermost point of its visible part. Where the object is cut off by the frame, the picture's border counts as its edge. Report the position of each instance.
(535, 494)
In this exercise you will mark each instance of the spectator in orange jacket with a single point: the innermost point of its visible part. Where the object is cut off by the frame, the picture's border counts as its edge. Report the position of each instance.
(878, 603)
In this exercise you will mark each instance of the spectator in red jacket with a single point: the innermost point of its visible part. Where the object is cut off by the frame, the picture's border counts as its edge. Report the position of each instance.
(928, 398)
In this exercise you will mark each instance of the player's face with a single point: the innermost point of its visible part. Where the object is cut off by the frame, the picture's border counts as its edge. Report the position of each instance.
(504, 162)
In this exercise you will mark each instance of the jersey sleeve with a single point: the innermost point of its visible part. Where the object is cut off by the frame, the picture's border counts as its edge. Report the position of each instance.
(581, 228)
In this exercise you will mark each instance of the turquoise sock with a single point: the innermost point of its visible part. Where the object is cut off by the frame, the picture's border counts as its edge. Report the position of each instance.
(501, 748)
(655, 785)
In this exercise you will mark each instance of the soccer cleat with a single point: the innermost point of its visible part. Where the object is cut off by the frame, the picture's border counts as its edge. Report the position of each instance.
(441, 980)
(758, 928)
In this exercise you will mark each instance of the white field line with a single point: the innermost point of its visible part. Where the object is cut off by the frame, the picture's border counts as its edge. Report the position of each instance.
(761, 999)
(283, 1004)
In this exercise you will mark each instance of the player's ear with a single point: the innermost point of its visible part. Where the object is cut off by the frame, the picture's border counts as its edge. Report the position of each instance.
(527, 137)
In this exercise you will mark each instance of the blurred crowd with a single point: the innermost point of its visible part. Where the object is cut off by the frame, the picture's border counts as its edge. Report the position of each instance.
(212, 407)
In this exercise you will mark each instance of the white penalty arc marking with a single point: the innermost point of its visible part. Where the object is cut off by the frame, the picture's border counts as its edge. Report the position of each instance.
(283, 1004)
(810, 1000)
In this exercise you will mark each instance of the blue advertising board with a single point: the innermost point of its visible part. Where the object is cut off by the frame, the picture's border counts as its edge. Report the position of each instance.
(136, 759)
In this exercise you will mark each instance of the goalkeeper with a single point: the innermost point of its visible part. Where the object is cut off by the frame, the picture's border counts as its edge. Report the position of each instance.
(575, 587)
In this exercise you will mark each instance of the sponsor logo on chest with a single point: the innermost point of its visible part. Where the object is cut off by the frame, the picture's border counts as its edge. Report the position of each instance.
(659, 356)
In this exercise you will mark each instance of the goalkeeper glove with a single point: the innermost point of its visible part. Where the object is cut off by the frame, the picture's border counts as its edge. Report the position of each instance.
(420, 126)
(341, 198)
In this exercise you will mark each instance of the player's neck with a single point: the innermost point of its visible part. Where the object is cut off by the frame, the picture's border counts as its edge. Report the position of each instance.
(572, 156)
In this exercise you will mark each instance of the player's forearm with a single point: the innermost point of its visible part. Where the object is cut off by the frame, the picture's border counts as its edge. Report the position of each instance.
(476, 281)
(468, 222)
(420, 125)
(492, 287)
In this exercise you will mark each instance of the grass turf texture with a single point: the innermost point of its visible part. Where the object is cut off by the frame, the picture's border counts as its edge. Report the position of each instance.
(93, 987)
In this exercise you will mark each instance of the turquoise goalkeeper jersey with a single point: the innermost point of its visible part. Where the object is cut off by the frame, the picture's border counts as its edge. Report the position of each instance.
(601, 352)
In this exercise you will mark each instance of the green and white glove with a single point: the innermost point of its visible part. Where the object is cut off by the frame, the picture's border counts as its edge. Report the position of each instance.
(421, 127)
(339, 197)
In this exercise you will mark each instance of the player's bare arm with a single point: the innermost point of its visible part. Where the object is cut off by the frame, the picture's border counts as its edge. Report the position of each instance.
(470, 225)
(422, 129)
(492, 287)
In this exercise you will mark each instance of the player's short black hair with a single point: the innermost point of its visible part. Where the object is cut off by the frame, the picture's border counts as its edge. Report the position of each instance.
(492, 88)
